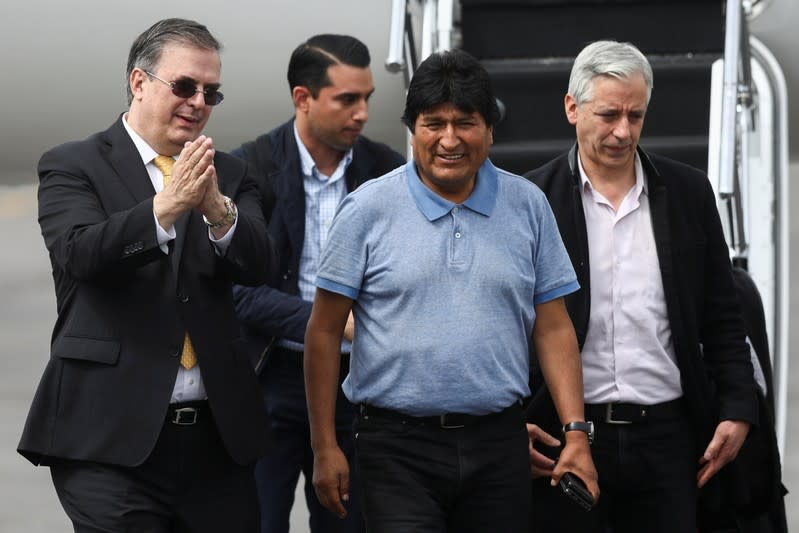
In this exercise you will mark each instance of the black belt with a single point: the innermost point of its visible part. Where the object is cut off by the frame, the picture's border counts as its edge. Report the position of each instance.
(631, 413)
(188, 413)
(445, 421)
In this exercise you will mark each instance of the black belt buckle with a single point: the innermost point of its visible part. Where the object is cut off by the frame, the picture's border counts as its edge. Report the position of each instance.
(185, 416)
(450, 421)
(609, 417)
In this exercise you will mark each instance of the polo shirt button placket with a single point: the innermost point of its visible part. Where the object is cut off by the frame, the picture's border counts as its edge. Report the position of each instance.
(457, 234)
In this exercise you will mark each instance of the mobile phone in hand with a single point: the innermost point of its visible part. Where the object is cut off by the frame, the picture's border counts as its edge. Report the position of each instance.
(574, 487)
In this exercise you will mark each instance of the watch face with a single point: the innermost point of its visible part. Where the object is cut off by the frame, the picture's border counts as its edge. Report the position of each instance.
(231, 209)
(229, 217)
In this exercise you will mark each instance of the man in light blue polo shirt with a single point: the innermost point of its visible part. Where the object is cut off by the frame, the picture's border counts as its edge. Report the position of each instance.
(451, 267)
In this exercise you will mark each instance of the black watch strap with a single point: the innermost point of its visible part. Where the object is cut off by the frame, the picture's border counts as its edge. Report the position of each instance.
(586, 427)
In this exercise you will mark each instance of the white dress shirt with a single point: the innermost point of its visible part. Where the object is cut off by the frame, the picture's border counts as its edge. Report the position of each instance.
(628, 354)
(189, 382)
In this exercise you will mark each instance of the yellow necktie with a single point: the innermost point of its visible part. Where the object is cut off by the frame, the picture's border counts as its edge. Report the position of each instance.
(164, 164)
(188, 357)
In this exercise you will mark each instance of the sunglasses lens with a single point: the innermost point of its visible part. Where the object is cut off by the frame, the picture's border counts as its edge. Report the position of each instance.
(213, 97)
(183, 89)
(187, 89)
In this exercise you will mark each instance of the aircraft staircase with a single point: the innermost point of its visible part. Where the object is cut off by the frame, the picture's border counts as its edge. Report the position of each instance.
(529, 46)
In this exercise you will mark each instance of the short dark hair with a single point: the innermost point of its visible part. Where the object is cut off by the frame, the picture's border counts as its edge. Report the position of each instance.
(310, 60)
(453, 77)
(145, 52)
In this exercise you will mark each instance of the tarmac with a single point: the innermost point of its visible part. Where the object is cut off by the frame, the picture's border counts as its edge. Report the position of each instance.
(28, 503)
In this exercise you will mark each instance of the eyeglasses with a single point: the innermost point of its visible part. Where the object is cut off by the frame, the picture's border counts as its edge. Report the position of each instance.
(187, 89)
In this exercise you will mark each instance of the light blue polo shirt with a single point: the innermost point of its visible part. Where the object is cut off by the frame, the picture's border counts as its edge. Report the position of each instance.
(444, 294)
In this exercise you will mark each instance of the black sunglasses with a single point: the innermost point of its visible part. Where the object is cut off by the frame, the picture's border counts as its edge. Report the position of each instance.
(187, 89)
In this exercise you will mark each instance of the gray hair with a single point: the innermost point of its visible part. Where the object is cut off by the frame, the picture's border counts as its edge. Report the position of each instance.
(145, 53)
(607, 58)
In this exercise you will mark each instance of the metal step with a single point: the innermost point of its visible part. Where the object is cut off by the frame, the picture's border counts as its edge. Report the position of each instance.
(509, 29)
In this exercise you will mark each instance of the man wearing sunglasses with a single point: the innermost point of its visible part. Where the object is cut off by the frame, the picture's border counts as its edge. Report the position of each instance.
(149, 414)
(312, 162)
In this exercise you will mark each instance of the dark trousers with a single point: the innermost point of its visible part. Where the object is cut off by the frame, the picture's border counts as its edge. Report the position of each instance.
(188, 484)
(647, 478)
(425, 479)
(277, 474)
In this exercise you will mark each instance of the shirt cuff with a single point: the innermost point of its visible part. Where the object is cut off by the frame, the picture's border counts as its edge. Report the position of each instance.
(338, 288)
(557, 292)
(163, 236)
(221, 245)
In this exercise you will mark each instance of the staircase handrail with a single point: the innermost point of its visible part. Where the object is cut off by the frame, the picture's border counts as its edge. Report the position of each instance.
(395, 62)
(735, 111)
(437, 22)
(739, 107)
(782, 275)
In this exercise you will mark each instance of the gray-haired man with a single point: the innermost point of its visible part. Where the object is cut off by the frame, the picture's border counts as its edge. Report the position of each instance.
(667, 374)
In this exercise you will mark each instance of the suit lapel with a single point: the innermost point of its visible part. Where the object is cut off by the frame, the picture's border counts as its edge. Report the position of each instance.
(659, 211)
(289, 189)
(660, 225)
(575, 239)
(127, 163)
(580, 235)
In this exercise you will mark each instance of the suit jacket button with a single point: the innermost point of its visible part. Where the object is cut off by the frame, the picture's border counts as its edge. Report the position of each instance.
(184, 299)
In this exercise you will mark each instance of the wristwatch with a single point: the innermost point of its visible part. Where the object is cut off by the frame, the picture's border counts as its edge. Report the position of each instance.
(229, 217)
(587, 427)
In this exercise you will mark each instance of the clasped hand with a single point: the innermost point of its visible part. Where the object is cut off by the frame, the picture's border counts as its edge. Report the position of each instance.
(193, 184)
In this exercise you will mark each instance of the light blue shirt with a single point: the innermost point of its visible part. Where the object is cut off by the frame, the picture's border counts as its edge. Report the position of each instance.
(444, 294)
(322, 196)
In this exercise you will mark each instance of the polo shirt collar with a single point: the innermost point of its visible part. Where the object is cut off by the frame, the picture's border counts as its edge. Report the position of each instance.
(482, 200)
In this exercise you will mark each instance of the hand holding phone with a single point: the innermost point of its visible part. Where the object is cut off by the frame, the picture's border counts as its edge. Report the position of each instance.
(574, 487)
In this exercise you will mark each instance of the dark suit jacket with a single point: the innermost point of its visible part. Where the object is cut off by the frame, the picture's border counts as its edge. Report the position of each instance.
(124, 306)
(701, 300)
(278, 311)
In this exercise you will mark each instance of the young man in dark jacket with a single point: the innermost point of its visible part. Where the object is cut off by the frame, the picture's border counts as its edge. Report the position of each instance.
(311, 162)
